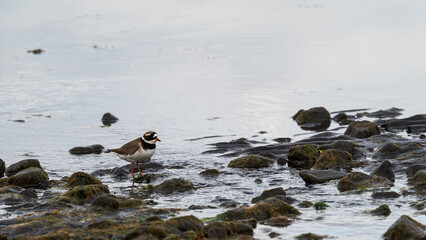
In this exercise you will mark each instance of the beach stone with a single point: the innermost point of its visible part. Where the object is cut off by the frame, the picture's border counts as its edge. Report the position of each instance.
(174, 185)
(210, 173)
(108, 119)
(305, 204)
(413, 169)
(251, 161)
(269, 193)
(280, 221)
(416, 123)
(186, 223)
(314, 119)
(302, 156)
(320, 176)
(419, 181)
(28, 194)
(333, 159)
(382, 210)
(358, 180)
(362, 129)
(104, 224)
(82, 178)
(86, 192)
(282, 161)
(107, 202)
(270, 207)
(226, 229)
(150, 232)
(29, 177)
(405, 228)
(21, 165)
(347, 146)
(310, 236)
(2, 168)
(388, 113)
(384, 170)
(391, 194)
(93, 149)
(387, 150)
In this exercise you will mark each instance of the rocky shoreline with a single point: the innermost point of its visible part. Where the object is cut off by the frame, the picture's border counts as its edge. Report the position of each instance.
(367, 157)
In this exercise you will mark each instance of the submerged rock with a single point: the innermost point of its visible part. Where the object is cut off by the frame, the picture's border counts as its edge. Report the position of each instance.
(21, 165)
(2, 168)
(85, 193)
(384, 170)
(251, 161)
(405, 228)
(362, 129)
(416, 123)
(419, 182)
(108, 119)
(382, 210)
(333, 159)
(388, 113)
(29, 177)
(303, 156)
(269, 193)
(210, 173)
(321, 176)
(358, 180)
(174, 185)
(82, 178)
(314, 119)
(391, 194)
(96, 149)
(311, 236)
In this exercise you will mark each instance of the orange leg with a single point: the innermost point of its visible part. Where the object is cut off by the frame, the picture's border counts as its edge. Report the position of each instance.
(140, 173)
(131, 165)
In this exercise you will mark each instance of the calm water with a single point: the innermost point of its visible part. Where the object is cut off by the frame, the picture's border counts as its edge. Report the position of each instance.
(190, 69)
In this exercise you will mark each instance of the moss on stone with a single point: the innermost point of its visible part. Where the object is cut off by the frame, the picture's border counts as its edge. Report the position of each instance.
(81, 179)
(86, 192)
(320, 205)
(251, 161)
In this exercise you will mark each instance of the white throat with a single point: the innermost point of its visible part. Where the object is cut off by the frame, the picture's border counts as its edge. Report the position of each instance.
(150, 142)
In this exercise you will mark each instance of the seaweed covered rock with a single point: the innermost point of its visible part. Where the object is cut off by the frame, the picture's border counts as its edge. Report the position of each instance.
(107, 202)
(29, 177)
(302, 156)
(347, 146)
(92, 149)
(310, 236)
(362, 129)
(419, 182)
(320, 176)
(387, 150)
(82, 178)
(174, 185)
(314, 119)
(85, 193)
(21, 165)
(210, 173)
(280, 221)
(186, 223)
(251, 161)
(269, 193)
(405, 228)
(382, 210)
(358, 180)
(384, 170)
(108, 119)
(226, 229)
(413, 169)
(2, 168)
(271, 207)
(333, 159)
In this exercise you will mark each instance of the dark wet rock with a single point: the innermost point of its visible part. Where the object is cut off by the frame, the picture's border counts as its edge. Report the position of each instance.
(28, 194)
(269, 155)
(29, 177)
(422, 136)
(282, 140)
(385, 170)
(389, 113)
(11, 189)
(3, 237)
(305, 204)
(229, 204)
(18, 121)
(36, 51)
(388, 150)
(413, 169)
(347, 146)
(310, 236)
(93, 149)
(358, 180)
(417, 124)
(21, 165)
(108, 119)
(419, 182)
(200, 207)
(320, 176)
(150, 232)
(2, 168)
(271, 207)
(222, 147)
(226, 229)
(129, 203)
(174, 185)
(362, 129)
(85, 193)
(302, 156)
(107, 202)
(391, 194)
(314, 119)
(251, 161)
(382, 210)
(269, 193)
(333, 159)
(104, 224)
(340, 117)
(258, 181)
(282, 161)
(405, 228)
(82, 178)
(210, 173)
(280, 221)
(186, 223)
(123, 172)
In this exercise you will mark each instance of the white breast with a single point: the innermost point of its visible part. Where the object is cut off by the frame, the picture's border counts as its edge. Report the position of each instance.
(139, 156)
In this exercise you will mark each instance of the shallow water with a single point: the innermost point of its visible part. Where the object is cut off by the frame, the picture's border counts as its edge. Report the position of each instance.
(190, 69)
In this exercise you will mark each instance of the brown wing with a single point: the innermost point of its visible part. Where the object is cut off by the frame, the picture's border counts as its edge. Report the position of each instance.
(129, 148)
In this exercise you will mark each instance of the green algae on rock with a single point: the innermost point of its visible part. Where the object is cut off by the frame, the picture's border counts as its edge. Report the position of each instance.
(362, 129)
(174, 185)
(29, 177)
(251, 161)
(186, 223)
(405, 228)
(225, 229)
(314, 119)
(21, 165)
(86, 192)
(320, 205)
(303, 156)
(81, 179)
(358, 180)
(333, 159)
(382, 210)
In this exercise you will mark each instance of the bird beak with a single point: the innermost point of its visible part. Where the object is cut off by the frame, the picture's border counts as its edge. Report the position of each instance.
(156, 139)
